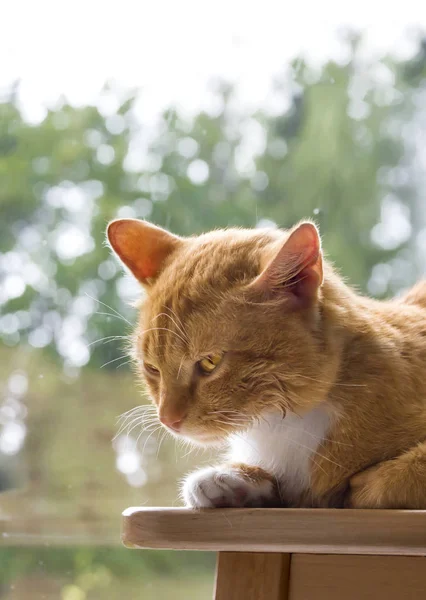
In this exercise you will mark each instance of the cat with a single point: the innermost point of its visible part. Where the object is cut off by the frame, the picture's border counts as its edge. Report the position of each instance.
(249, 340)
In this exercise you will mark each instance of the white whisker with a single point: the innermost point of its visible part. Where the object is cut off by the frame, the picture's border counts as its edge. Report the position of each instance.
(173, 321)
(166, 329)
(108, 338)
(126, 362)
(109, 308)
(113, 361)
(163, 437)
(144, 407)
(176, 316)
(146, 441)
(145, 418)
(136, 422)
(180, 366)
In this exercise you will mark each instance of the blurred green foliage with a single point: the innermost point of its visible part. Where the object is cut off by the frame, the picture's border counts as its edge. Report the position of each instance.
(332, 148)
(93, 572)
(337, 144)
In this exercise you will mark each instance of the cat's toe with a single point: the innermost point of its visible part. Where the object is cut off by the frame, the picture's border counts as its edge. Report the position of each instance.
(201, 490)
(216, 487)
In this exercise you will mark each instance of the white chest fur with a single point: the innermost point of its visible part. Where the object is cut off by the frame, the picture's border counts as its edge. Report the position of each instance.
(283, 447)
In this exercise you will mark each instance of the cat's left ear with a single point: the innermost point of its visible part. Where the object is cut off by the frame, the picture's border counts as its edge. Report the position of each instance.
(143, 247)
(296, 271)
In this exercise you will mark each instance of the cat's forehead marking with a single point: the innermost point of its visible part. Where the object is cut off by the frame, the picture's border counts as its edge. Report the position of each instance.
(163, 335)
(177, 317)
(209, 265)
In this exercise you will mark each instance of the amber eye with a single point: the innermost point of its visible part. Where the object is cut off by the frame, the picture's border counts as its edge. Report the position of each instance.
(151, 369)
(209, 363)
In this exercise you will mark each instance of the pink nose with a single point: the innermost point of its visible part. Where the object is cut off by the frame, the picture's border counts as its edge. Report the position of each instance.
(171, 422)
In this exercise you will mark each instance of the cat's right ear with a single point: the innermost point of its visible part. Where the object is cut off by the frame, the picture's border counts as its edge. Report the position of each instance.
(142, 247)
(296, 271)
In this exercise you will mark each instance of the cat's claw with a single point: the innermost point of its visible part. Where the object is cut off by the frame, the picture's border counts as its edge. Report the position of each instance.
(219, 487)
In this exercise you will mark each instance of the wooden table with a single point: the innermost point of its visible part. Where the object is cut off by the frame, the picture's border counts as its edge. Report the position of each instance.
(295, 554)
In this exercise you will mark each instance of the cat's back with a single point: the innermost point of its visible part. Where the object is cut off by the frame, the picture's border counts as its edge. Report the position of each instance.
(405, 317)
(416, 296)
(392, 334)
(407, 314)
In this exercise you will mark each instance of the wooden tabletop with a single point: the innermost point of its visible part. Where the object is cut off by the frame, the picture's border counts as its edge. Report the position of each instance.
(317, 531)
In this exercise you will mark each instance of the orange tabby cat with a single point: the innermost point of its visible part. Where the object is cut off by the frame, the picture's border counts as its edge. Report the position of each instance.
(248, 339)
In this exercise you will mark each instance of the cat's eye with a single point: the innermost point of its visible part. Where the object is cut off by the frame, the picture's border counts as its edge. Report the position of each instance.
(151, 369)
(208, 364)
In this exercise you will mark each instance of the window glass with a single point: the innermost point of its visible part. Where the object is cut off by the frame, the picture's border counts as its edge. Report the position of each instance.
(194, 116)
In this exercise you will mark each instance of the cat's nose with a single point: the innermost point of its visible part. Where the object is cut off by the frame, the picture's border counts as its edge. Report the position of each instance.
(171, 421)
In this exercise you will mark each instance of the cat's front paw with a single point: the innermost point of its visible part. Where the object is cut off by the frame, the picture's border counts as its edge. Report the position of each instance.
(373, 488)
(228, 486)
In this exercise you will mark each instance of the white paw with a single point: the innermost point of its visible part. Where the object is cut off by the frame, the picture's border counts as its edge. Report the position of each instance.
(218, 487)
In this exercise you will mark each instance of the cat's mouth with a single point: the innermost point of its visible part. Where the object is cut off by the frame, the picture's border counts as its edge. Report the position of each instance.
(198, 436)
(209, 432)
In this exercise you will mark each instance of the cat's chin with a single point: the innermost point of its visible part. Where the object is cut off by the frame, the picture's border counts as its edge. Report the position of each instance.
(205, 440)
(202, 439)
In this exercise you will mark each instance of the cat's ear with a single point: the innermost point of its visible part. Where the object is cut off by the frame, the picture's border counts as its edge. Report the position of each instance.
(296, 271)
(142, 247)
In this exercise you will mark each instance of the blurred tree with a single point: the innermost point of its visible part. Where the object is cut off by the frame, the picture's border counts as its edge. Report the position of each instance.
(327, 150)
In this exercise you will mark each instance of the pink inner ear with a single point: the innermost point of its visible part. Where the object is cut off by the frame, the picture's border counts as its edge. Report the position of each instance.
(297, 268)
(141, 246)
(149, 269)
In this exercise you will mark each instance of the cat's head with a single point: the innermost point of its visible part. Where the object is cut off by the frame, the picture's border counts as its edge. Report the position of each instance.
(230, 325)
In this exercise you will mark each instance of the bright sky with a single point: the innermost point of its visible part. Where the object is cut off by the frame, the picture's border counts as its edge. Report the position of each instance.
(171, 48)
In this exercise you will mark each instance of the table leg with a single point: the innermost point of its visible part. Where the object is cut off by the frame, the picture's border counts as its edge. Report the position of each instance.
(252, 576)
